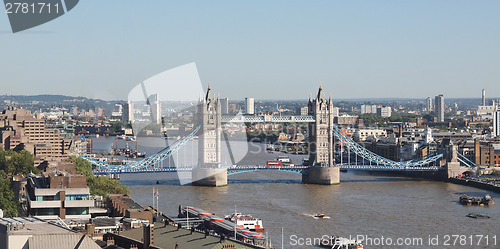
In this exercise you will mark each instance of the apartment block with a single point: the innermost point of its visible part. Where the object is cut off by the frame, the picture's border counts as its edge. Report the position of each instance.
(19, 129)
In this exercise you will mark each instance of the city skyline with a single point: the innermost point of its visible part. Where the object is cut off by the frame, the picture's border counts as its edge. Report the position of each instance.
(369, 50)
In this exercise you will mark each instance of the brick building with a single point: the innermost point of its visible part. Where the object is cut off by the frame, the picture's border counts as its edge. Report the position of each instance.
(20, 130)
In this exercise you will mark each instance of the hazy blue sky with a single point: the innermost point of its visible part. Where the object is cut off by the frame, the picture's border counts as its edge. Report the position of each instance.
(262, 49)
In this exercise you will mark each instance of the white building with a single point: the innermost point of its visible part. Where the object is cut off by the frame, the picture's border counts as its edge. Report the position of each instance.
(485, 112)
(250, 106)
(155, 106)
(428, 104)
(364, 134)
(384, 111)
(367, 109)
(496, 123)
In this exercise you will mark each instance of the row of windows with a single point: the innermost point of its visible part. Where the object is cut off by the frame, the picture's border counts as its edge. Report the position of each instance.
(77, 197)
(77, 211)
(47, 198)
(209, 145)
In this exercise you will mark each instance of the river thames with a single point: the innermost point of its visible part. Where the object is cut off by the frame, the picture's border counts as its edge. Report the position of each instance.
(407, 212)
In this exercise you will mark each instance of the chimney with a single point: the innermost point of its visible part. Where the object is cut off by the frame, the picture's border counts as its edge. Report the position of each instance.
(110, 241)
(148, 235)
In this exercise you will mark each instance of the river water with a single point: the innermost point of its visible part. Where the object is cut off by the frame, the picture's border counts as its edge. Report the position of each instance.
(385, 211)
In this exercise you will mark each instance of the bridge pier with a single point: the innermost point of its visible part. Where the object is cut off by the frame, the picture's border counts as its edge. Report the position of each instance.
(209, 177)
(322, 175)
(453, 168)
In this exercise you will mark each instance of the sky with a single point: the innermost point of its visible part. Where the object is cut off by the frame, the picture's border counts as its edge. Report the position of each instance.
(261, 49)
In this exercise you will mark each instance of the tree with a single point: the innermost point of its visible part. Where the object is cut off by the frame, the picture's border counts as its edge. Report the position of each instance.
(7, 203)
(12, 162)
(98, 185)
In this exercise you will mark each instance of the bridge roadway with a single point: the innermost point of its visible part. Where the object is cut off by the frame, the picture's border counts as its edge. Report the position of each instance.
(247, 168)
(268, 119)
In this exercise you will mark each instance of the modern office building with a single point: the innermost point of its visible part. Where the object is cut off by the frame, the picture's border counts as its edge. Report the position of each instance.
(224, 105)
(439, 108)
(250, 106)
(62, 195)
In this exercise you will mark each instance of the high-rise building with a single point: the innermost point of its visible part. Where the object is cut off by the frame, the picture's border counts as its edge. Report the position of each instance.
(367, 109)
(428, 104)
(496, 123)
(439, 107)
(384, 111)
(155, 106)
(128, 112)
(250, 106)
(224, 105)
(302, 111)
(484, 98)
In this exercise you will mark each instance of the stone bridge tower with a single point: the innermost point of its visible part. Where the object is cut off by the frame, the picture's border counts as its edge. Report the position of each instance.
(209, 171)
(320, 132)
(321, 165)
(209, 117)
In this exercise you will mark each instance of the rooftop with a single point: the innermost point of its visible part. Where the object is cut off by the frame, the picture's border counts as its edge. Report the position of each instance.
(166, 237)
(38, 234)
(32, 226)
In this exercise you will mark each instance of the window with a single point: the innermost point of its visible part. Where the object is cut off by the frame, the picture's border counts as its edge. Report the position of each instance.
(47, 198)
(76, 197)
(77, 211)
(46, 211)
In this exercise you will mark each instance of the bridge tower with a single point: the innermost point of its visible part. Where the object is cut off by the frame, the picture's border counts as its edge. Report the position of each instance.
(453, 168)
(209, 171)
(321, 166)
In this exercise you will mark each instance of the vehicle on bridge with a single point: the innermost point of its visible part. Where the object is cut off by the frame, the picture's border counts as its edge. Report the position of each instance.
(274, 163)
(284, 159)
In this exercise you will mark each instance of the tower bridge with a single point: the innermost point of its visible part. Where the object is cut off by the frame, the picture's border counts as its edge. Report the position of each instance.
(321, 168)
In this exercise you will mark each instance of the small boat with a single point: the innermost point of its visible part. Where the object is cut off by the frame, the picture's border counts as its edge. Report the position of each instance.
(478, 216)
(487, 200)
(468, 200)
(321, 216)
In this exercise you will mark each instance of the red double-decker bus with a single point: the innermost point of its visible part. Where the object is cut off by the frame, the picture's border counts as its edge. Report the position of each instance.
(273, 163)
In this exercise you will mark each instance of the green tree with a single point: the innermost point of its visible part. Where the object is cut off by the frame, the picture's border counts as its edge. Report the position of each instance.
(12, 162)
(98, 185)
(7, 203)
